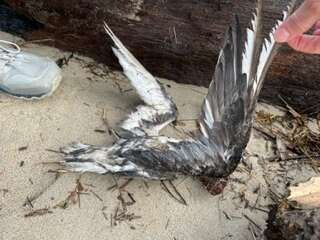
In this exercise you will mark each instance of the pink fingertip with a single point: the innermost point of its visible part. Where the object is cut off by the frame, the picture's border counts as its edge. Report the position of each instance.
(317, 32)
(281, 35)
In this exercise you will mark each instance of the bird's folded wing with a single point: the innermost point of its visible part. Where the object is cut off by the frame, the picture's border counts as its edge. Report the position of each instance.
(160, 109)
(223, 112)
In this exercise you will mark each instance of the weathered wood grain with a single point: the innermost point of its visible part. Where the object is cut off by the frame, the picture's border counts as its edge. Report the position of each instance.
(179, 40)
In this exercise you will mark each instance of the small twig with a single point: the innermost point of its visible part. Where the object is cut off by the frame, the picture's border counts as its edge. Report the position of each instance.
(38, 212)
(301, 157)
(126, 183)
(145, 184)
(131, 198)
(252, 232)
(111, 220)
(54, 151)
(106, 122)
(96, 195)
(112, 187)
(264, 131)
(260, 209)
(29, 202)
(42, 191)
(97, 130)
(105, 215)
(23, 148)
(179, 199)
(37, 41)
(167, 224)
(254, 223)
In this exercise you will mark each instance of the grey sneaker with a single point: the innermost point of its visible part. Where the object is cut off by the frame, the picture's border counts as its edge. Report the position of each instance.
(26, 75)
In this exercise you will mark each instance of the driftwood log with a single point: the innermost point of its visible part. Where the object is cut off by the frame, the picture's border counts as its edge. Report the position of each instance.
(299, 224)
(179, 40)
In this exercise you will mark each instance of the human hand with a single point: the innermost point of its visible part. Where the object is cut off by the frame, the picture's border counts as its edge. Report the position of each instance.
(292, 31)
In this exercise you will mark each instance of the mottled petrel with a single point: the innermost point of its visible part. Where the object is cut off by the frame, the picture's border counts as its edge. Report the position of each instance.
(224, 125)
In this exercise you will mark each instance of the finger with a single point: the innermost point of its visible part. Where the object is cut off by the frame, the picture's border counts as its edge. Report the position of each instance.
(306, 43)
(300, 21)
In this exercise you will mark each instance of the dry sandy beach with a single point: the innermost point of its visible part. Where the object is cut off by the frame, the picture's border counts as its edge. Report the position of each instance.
(36, 204)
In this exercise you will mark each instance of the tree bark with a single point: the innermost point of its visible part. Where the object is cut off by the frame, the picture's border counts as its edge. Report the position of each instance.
(178, 40)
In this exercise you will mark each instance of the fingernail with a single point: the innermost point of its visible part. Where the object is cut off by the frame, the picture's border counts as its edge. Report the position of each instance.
(317, 32)
(282, 35)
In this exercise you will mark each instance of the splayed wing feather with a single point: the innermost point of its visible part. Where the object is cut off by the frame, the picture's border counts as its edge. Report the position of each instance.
(226, 89)
(160, 111)
(253, 45)
(269, 51)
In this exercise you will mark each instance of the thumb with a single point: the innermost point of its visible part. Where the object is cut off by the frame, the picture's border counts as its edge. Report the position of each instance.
(299, 22)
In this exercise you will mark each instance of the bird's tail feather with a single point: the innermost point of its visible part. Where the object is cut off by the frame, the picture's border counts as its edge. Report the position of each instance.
(88, 158)
(83, 158)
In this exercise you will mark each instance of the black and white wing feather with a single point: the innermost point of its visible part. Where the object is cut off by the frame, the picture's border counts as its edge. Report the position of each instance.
(225, 121)
(269, 50)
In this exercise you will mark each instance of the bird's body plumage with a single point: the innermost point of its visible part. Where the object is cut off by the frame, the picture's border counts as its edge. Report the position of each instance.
(225, 119)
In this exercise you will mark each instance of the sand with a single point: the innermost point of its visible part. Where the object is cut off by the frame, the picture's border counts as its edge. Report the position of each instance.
(74, 113)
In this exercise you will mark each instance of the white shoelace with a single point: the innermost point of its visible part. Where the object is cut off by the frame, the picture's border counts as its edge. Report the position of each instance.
(7, 55)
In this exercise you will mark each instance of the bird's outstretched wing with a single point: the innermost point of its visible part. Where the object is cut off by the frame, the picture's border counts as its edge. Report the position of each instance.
(225, 120)
(159, 110)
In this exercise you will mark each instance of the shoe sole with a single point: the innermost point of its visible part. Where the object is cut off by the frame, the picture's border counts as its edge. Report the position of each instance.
(56, 84)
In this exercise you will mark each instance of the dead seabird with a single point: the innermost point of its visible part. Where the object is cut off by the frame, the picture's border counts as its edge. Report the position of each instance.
(225, 120)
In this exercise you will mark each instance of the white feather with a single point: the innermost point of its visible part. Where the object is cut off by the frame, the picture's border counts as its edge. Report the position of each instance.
(250, 45)
(146, 85)
(149, 90)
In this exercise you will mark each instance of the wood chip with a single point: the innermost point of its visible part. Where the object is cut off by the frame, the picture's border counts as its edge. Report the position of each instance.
(306, 195)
